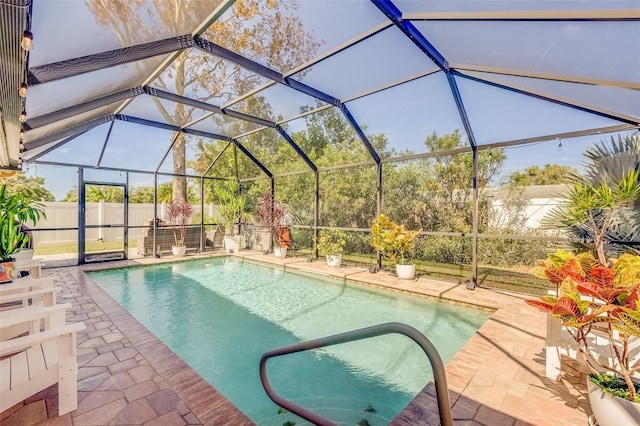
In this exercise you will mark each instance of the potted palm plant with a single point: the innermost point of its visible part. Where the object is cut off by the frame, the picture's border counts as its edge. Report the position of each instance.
(271, 214)
(15, 209)
(596, 295)
(179, 215)
(331, 244)
(395, 243)
(231, 207)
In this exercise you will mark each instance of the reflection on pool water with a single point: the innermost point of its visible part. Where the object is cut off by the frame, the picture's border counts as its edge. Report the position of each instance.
(221, 314)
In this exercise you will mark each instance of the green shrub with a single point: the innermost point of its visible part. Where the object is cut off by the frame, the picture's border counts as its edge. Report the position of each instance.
(440, 249)
(513, 252)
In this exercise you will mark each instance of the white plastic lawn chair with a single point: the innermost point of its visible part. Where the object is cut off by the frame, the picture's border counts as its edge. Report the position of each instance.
(36, 361)
(31, 319)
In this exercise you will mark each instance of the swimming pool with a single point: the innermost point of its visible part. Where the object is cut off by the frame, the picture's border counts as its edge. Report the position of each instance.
(221, 314)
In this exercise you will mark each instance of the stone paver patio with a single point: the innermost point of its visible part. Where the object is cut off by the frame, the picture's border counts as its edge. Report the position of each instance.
(128, 377)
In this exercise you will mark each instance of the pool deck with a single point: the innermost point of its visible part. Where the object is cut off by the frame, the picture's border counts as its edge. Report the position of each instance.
(127, 376)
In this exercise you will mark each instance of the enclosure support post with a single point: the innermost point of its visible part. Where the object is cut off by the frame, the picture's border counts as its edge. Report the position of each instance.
(156, 249)
(235, 162)
(126, 215)
(82, 207)
(155, 214)
(316, 218)
(272, 182)
(379, 201)
(101, 220)
(202, 237)
(474, 237)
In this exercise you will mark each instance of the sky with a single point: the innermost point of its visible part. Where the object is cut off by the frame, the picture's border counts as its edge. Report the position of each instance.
(406, 114)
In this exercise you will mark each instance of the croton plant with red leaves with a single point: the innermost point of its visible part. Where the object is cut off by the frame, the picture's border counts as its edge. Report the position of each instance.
(589, 296)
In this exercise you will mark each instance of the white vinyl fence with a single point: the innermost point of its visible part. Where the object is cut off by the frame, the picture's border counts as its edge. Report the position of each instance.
(65, 215)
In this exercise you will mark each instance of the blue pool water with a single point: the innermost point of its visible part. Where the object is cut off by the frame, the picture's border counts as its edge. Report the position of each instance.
(220, 315)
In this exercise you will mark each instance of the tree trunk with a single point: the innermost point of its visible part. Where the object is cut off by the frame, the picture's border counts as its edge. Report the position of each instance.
(179, 168)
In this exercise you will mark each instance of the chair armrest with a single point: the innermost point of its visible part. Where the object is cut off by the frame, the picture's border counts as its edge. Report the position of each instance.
(30, 313)
(24, 284)
(29, 263)
(20, 343)
(6, 298)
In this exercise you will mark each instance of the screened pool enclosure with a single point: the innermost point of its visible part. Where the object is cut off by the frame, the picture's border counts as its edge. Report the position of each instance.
(459, 118)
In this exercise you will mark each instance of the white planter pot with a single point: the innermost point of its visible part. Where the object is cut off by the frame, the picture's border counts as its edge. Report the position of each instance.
(280, 252)
(334, 260)
(231, 243)
(178, 251)
(23, 255)
(406, 272)
(611, 410)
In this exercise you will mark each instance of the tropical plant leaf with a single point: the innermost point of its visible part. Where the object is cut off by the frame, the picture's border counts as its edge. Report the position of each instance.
(590, 289)
(554, 276)
(602, 276)
(629, 300)
(551, 300)
(629, 321)
(567, 307)
(587, 262)
(559, 258)
(573, 268)
(540, 272)
(569, 289)
(627, 270)
(545, 307)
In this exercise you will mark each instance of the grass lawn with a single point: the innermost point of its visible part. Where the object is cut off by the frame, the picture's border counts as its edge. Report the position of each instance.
(72, 247)
(488, 276)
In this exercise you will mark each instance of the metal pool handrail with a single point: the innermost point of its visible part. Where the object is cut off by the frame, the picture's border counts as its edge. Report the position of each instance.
(439, 377)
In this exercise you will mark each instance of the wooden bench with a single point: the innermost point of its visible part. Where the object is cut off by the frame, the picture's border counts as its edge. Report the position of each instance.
(165, 239)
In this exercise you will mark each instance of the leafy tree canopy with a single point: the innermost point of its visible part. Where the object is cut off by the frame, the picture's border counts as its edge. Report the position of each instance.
(108, 194)
(139, 194)
(550, 174)
(144, 194)
(32, 187)
(446, 186)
